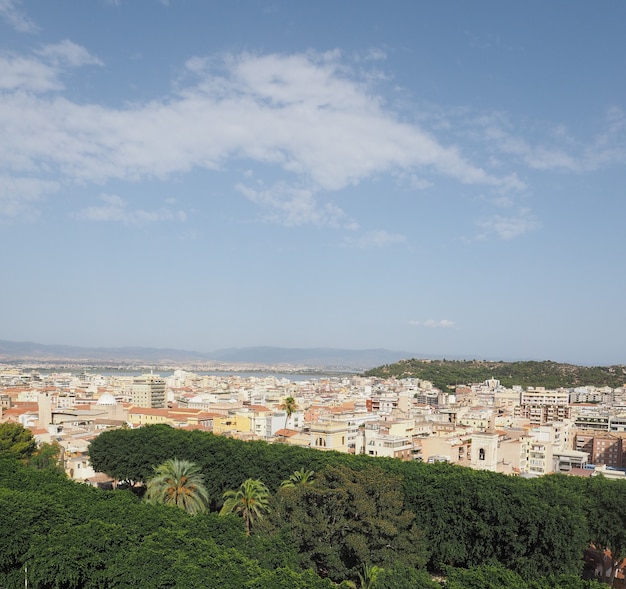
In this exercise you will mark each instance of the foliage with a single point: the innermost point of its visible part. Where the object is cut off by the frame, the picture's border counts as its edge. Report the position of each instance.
(471, 518)
(285, 578)
(448, 373)
(358, 511)
(346, 519)
(47, 456)
(251, 501)
(607, 521)
(16, 441)
(368, 576)
(289, 406)
(484, 577)
(74, 536)
(299, 477)
(401, 577)
(179, 483)
(465, 517)
(497, 577)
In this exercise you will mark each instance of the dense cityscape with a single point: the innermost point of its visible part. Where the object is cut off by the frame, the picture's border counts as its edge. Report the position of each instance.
(527, 431)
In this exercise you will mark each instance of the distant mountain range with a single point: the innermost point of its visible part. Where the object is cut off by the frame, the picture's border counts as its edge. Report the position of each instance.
(314, 358)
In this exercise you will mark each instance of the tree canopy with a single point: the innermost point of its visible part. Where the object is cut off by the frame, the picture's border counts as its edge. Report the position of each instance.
(445, 515)
(446, 374)
(16, 441)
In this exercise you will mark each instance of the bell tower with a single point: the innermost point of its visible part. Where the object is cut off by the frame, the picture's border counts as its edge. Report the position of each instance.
(484, 450)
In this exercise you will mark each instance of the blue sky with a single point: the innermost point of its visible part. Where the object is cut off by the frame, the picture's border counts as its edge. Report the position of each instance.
(441, 178)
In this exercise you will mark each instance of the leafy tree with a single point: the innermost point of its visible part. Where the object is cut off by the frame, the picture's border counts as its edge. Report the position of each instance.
(47, 456)
(484, 577)
(285, 578)
(607, 522)
(16, 441)
(564, 582)
(75, 556)
(180, 483)
(251, 501)
(534, 527)
(402, 577)
(345, 519)
(299, 477)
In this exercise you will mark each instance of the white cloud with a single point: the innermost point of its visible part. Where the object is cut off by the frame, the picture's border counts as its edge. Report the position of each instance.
(557, 150)
(18, 194)
(374, 239)
(116, 209)
(11, 14)
(24, 73)
(41, 74)
(309, 115)
(304, 113)
(293, 206)
(433, 323)
(508, 227)
(67, 53)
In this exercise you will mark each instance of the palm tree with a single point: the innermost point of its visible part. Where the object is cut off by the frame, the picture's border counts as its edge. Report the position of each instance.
(251, 501)
(368, 578)
(179, 483)
(299, 477)
(289, 406)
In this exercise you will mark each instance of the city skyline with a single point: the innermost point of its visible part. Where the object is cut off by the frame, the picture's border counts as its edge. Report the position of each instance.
(445, 180)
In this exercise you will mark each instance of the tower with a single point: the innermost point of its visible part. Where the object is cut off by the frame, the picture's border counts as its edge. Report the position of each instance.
(484, 450)
(45, 409)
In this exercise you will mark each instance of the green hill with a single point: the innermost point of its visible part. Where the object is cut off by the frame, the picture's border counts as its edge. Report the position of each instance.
(446, 374)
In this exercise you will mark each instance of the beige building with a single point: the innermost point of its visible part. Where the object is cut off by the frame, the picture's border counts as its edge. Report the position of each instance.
(148, 390)
(329, 435)
(540, 405)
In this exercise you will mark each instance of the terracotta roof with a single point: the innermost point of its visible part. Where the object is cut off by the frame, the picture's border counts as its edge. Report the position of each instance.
(259, 408)
(190, 427)
(581, 472)
(148, 411)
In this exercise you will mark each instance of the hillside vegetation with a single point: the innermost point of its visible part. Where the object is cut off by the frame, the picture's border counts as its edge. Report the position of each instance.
(446, 374)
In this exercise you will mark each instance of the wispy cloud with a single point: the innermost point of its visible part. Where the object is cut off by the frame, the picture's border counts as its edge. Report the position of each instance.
(556, 149)
(294, 205)
(11, 14)
(67, 53)
(40, 73)
(433, 323)
(19, 194)
(374, 239)
(115, 209)
(508, 227)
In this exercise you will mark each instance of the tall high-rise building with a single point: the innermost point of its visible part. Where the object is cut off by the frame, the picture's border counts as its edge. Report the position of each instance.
(148, 391)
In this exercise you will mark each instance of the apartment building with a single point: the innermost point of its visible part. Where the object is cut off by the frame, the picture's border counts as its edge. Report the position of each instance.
(540, 405)
(148, 390)
(603, 447)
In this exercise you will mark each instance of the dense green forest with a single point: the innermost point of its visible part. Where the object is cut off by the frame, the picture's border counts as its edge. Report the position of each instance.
(446, 374)
(331, 520)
